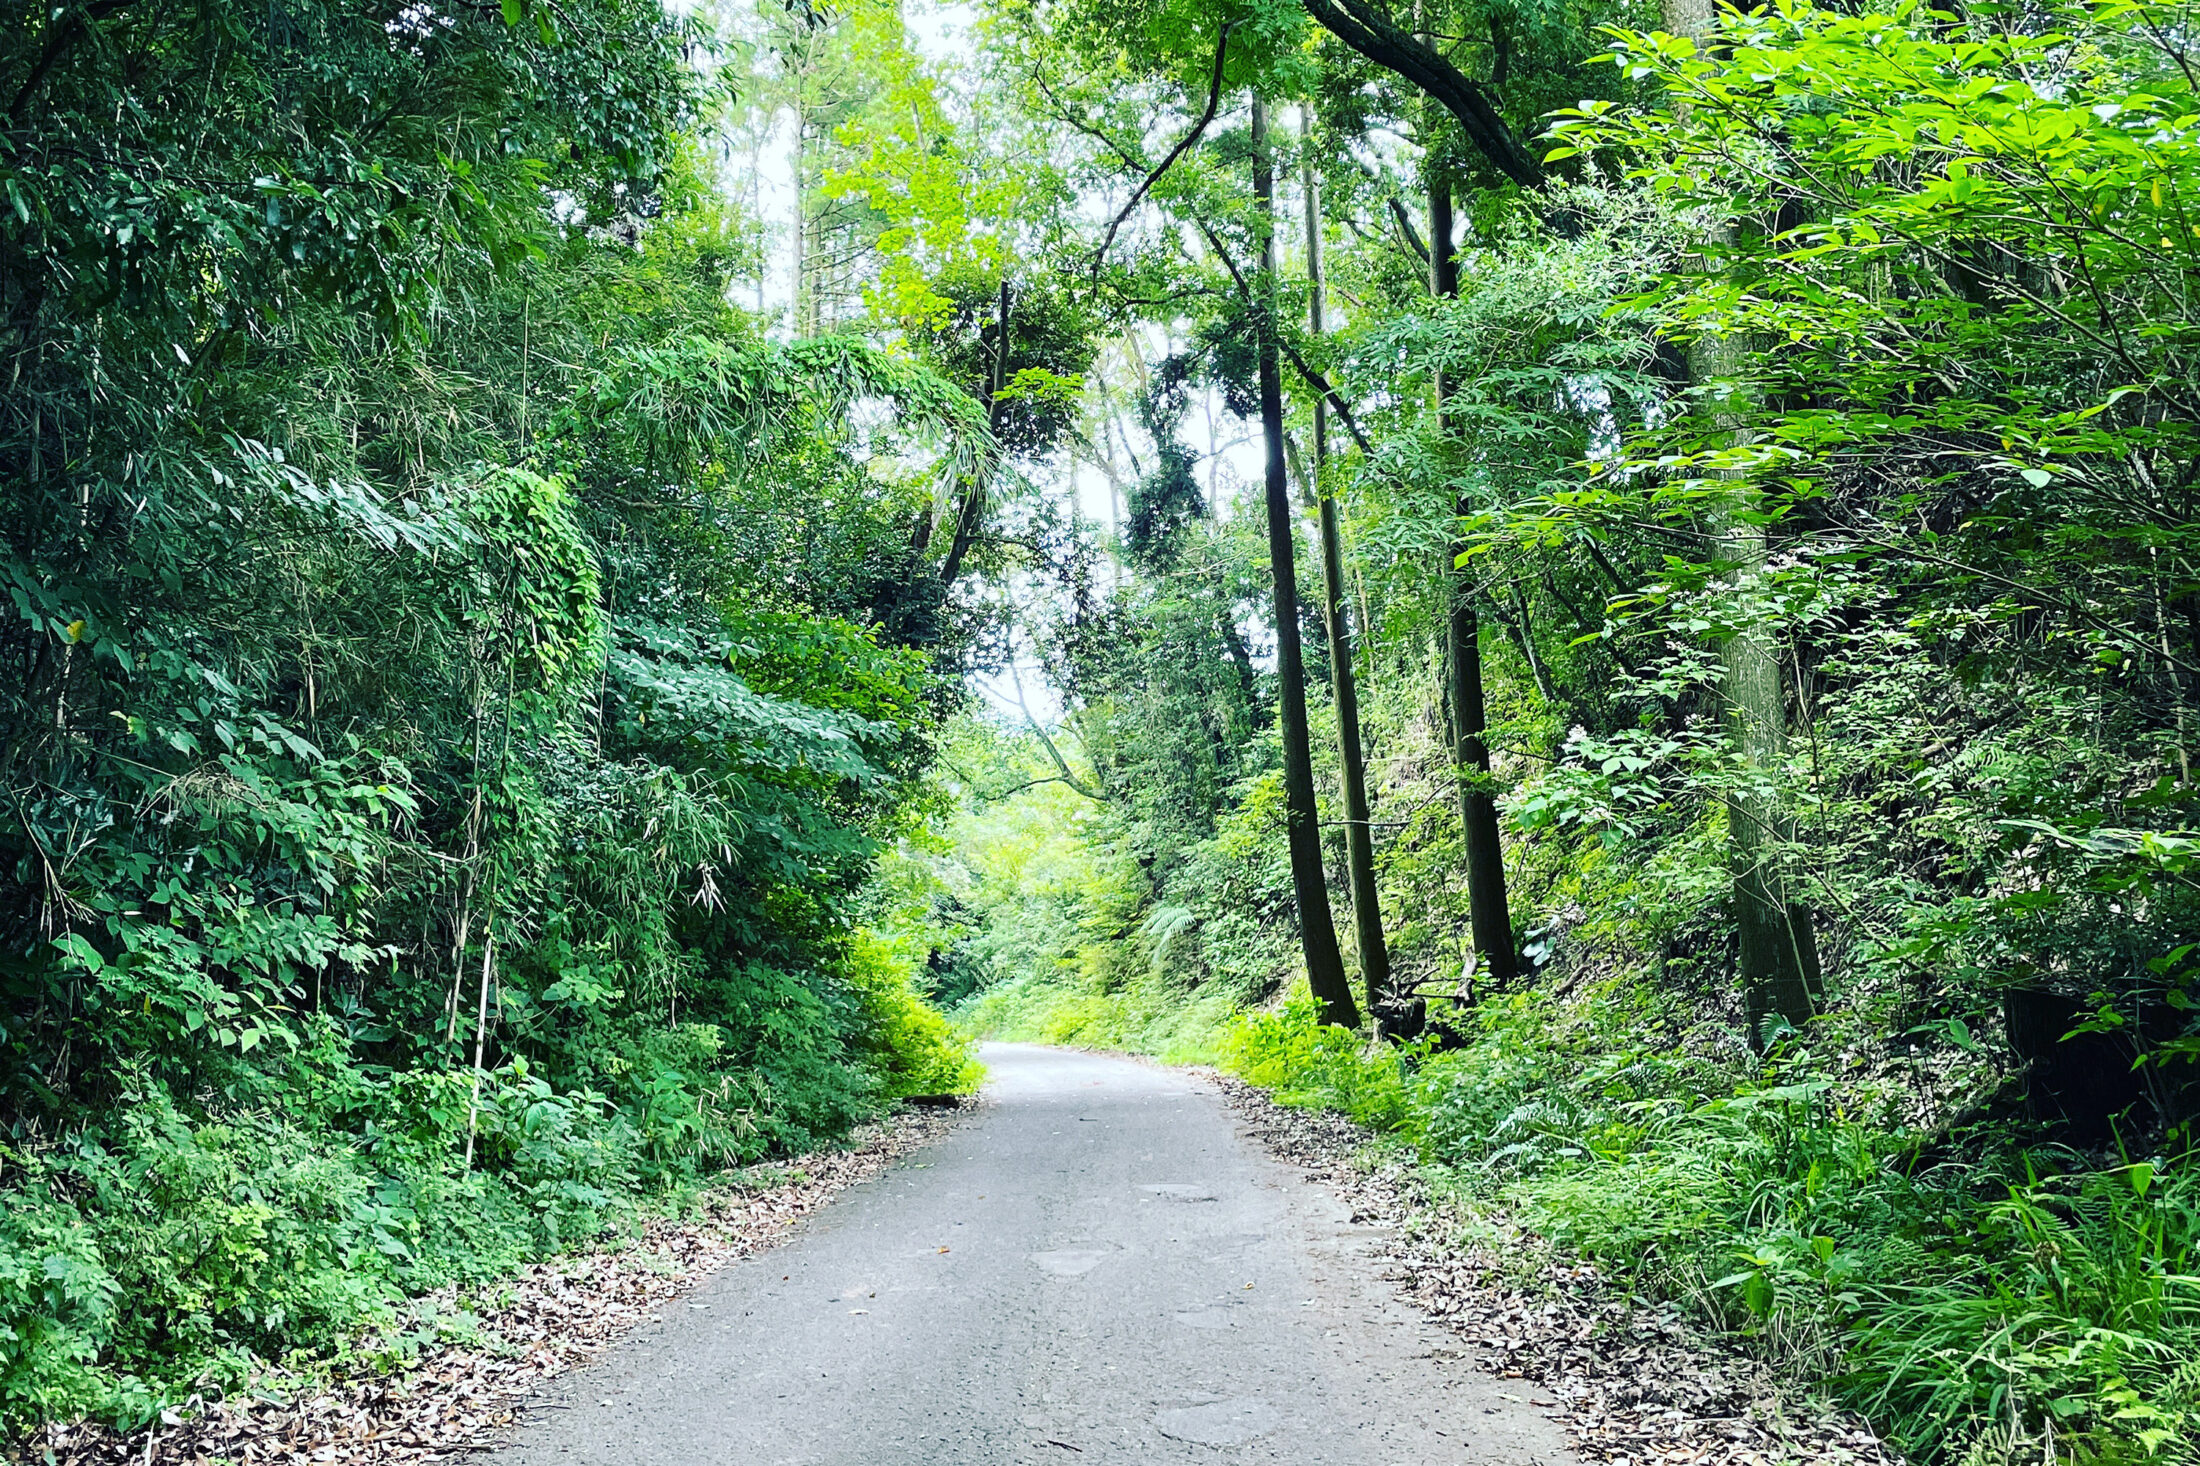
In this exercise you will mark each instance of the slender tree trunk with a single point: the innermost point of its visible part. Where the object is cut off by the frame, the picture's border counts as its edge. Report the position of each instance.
(1489, 915)
(481, 1036)
(1524, 633)
(802, 326)
(973, 504)
(1367, 910)
(1317, 930)
(1778, 949)
(2169, 666)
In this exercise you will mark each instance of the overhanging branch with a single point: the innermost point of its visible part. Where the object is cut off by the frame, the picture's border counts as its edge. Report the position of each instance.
(1061, 765)
(1138, 194)
(1368, 31)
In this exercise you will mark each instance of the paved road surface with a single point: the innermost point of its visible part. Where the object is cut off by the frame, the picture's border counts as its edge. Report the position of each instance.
(1095, 1267)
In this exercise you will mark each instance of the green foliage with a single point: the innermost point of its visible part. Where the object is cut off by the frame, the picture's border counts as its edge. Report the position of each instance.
(460, 675)
(907, 1042)
(1136, 1015)
(1814, 451)
(1044, 925)
(163, 1248)
(475, 699)
(1942, 1298)
(1317, 1065)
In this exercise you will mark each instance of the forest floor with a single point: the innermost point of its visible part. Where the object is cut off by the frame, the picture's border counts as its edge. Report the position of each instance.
(1632, 1382)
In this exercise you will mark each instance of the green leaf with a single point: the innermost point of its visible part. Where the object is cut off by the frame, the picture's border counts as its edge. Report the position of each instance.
(82, 952)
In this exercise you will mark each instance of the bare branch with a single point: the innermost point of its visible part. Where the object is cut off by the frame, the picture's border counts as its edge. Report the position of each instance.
(1405, 227)
(1061, 765)
(1138, 194)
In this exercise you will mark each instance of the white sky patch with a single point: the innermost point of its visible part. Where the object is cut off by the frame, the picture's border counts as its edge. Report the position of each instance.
(770, 178)
(940, 33)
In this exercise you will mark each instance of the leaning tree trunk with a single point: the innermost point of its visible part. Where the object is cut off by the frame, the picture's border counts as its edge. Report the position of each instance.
(1778, 950)
(1317, 931)
(1359, 842)
(1488, 913)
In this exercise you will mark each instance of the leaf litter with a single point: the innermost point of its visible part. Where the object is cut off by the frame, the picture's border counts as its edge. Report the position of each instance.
(1633, 1383)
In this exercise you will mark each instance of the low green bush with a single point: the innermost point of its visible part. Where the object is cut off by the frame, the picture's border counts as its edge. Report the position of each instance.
(1317, 1065)
(907, 1043)
(174, 1248)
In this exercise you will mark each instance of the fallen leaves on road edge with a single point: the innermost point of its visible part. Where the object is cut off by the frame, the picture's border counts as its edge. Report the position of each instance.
(1634, 1384)
(553, 1316)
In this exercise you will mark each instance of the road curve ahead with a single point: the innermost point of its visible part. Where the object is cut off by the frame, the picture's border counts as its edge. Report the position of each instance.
(1094, 1267)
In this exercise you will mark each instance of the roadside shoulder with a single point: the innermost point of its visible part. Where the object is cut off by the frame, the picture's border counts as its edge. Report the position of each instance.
(1632, 1382)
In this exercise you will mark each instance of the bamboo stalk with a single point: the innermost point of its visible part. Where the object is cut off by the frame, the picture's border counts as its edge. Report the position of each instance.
(481, 1030)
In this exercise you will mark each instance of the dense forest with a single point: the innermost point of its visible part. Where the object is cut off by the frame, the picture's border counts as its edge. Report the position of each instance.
(1613, 592)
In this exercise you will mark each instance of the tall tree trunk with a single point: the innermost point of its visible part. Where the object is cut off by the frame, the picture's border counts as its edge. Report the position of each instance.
(1367, 910)
(1317, 931)
(1778, 950)
(1489, 915)
(802, 325)
(973, 502)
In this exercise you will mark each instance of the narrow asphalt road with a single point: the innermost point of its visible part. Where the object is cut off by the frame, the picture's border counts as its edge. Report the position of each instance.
(1095, 1266)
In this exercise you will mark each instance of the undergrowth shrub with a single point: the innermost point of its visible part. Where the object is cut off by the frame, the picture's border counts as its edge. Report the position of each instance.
(57, 1303)
(167, 1254)
(906, 1042)
(1317, 1065)
(172, 1248)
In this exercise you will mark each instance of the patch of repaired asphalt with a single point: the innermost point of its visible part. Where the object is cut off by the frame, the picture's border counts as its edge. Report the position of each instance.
(1222, 1423)
(1098, 1263)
